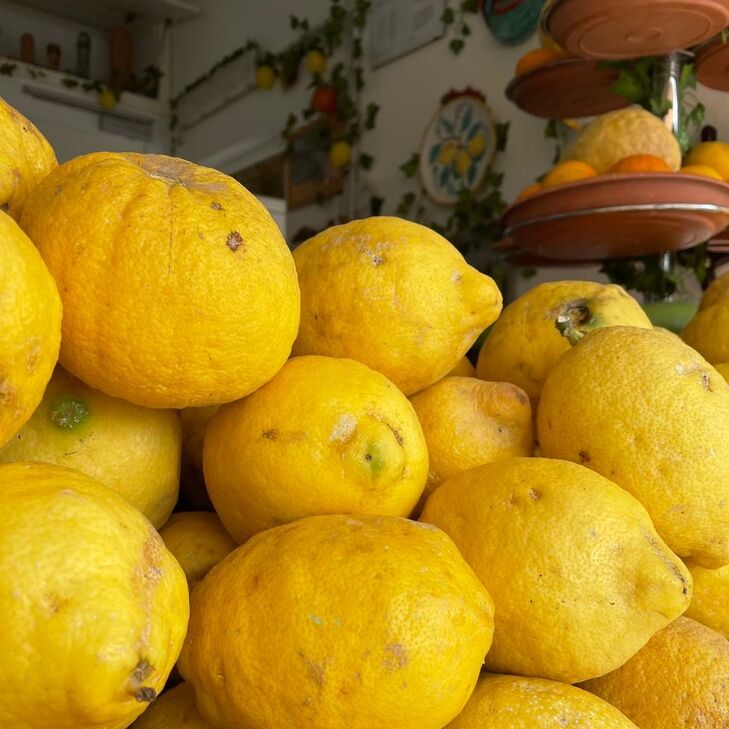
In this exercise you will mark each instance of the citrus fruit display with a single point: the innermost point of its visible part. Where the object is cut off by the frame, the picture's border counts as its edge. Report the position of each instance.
(648, 412)
(394, 295)
(333, 621)
(679, 679)
(538, 703)
(133, 450)
(94, 608)
(579, 577)
(26, 158)
(468, 422)
(30, 327)
(619, 134)
(325, 436)
(198, 541)
(524, 344)
(178, 288)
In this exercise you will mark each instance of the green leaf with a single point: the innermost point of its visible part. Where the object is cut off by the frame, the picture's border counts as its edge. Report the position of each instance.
(456, 45)
(629, 86)
(469, 6)
(448, 16)
(465, 30)
(550, 131)
(660, 107)
(371, 115)
(688, 77)
(502, 136)
(410, 168)
(366, 161)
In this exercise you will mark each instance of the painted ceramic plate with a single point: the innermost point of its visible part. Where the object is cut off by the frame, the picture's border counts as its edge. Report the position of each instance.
(457, 149)
(512, 21)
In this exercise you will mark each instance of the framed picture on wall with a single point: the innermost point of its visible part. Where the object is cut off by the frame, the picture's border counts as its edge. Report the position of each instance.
(308, 175)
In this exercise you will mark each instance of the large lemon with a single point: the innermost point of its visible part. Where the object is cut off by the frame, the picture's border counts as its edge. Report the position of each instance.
(708, 332)
(338, 621)
(133, 450)
(25, 159)
(579, 577)
(394, 295)
(325, 436)
(646, 411)
(623, 133)
(506, 702)
(711, 154)
(178, 287)
(468, 422)
(524, 344)
(30, 327)
(93, 607)
(678, 680)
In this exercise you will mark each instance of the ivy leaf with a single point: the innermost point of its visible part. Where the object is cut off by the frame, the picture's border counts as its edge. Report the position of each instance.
(550, 131)
(465, 30)
(366, 161)
(456, 45)
(469, 6)
(410, 168)
(688, 77)
(502, 136)
(406, 204)
(660, 107)
(448, 16)
(371, 115)
(629, 87)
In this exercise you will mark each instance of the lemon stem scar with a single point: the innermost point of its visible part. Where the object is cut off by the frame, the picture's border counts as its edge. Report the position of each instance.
(375, 459)
(571, 323)
(68, 412)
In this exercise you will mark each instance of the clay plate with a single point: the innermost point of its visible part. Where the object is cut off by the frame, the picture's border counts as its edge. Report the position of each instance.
(615, 29)
(619, 216)
(567, 89)
(712, 65)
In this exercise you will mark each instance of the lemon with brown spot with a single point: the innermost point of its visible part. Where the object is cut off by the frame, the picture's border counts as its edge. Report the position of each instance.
(133, 450)
(325, 436)
(711, 597)
(338, 621)
(524, 344)
(30, 327)
(501, 702)
(645, 410)
(393, 295)
(579, 577)
(468, 422)
(178, 287)
(26, 158)
(93, 606)
(679, 679)
(198, 541)
(174, 709)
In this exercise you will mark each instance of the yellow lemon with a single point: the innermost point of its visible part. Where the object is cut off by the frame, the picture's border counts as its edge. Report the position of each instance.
(265, 78)
(26, 158)
(133, 450)
(394, 295)
(678, 680)
(701, 171)
(711, 154)
(316, 62)
(579, 577)
(718, 291)
(464, 368)
(711, 597)
(448, 152)
(623, 133)
(566, 172)
(335, 620)
(325, 436)
(476, 145)
(468, 422)
(524, 344)
(198, 541)
(503, 702)
(30, 327)
(93, 606)
(708, 332)
(646, 411)
(178, 288)
(340, 154)
(173, 710)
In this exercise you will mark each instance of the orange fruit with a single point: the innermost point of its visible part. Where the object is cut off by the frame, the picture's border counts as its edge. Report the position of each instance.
(702, 171)
(570, 171)
(539, 57)
(178, 288)
(530, 191)
(639, 163)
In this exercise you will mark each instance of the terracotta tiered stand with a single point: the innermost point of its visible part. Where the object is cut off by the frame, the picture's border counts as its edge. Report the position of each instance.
(619, 216)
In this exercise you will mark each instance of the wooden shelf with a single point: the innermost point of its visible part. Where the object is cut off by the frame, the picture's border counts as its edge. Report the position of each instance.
(108, 13)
